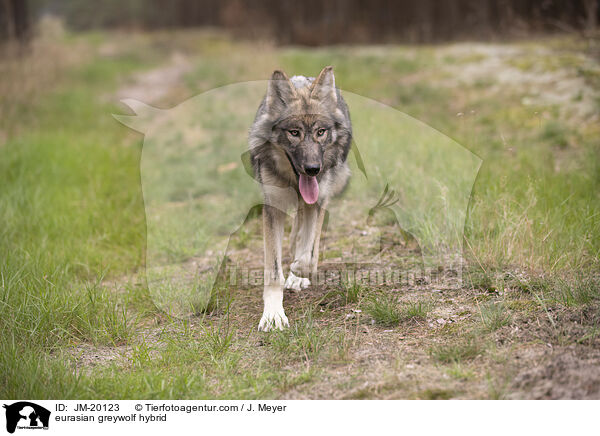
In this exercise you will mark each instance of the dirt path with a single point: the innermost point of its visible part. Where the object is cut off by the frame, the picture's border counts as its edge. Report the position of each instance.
(472, 341)
(460, 347)
(153, 86)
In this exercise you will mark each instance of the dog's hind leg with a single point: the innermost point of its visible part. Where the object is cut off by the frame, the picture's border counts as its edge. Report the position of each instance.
(273, 313)
(314, 256)
(294, 232)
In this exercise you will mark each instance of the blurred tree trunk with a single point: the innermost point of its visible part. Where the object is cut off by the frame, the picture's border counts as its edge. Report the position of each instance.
(591, 12)
(8, 18)
(16, 19)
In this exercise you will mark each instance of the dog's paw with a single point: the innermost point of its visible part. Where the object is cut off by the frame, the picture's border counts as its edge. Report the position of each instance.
(302, 265)
(296, 283)
(273, 318)
(272, 321)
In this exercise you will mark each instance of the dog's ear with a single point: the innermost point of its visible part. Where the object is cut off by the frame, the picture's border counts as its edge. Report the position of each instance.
(280, 91)
(323, 88)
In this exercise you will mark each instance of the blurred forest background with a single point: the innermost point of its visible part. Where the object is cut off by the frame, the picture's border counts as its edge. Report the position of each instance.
(316, 23)
(516, 82)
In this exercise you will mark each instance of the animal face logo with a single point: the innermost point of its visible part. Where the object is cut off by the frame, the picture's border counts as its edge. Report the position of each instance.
(199, 189)
(24, 414)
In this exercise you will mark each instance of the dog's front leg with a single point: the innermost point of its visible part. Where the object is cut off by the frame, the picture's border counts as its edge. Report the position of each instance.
(306, 254)
(273, 313)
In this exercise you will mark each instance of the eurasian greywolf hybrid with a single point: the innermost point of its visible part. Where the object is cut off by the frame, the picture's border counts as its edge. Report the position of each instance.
(299, 143)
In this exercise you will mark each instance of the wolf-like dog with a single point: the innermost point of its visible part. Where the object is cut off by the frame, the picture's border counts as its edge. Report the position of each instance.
(298, 143)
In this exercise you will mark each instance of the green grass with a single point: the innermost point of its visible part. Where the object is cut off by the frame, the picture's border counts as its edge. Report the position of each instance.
(482, 280)
(218, 341)
(354, 293)
(347, 293)
(387, 312)
(384, 309)
(580, 291)
(73, 222)
(555, 134)
(460, 372)
(71, 212)
(575, 290)
(416, 310)
(460, 350)
(494, 316)
(304, 340)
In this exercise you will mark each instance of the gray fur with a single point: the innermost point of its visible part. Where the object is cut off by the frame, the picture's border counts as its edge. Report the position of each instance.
(302, 121)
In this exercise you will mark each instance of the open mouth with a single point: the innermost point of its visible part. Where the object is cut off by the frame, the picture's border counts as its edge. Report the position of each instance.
(308, 185)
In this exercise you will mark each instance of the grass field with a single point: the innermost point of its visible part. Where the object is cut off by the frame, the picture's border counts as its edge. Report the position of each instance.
(76, 310)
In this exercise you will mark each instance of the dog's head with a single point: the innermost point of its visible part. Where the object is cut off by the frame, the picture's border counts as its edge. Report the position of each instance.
(310, 123)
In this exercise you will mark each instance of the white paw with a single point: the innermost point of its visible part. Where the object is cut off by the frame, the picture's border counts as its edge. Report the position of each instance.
(273, 314)
(301, 265)
(273, 320)
(296, 283)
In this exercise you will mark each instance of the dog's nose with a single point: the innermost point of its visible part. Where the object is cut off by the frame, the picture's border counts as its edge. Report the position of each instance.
(312, 170)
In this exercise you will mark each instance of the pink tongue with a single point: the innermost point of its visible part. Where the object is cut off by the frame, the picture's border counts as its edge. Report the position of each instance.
(309, 188)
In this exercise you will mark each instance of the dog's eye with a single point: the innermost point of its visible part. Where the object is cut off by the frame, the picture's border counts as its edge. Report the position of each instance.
(295, 132)
(321, 132)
